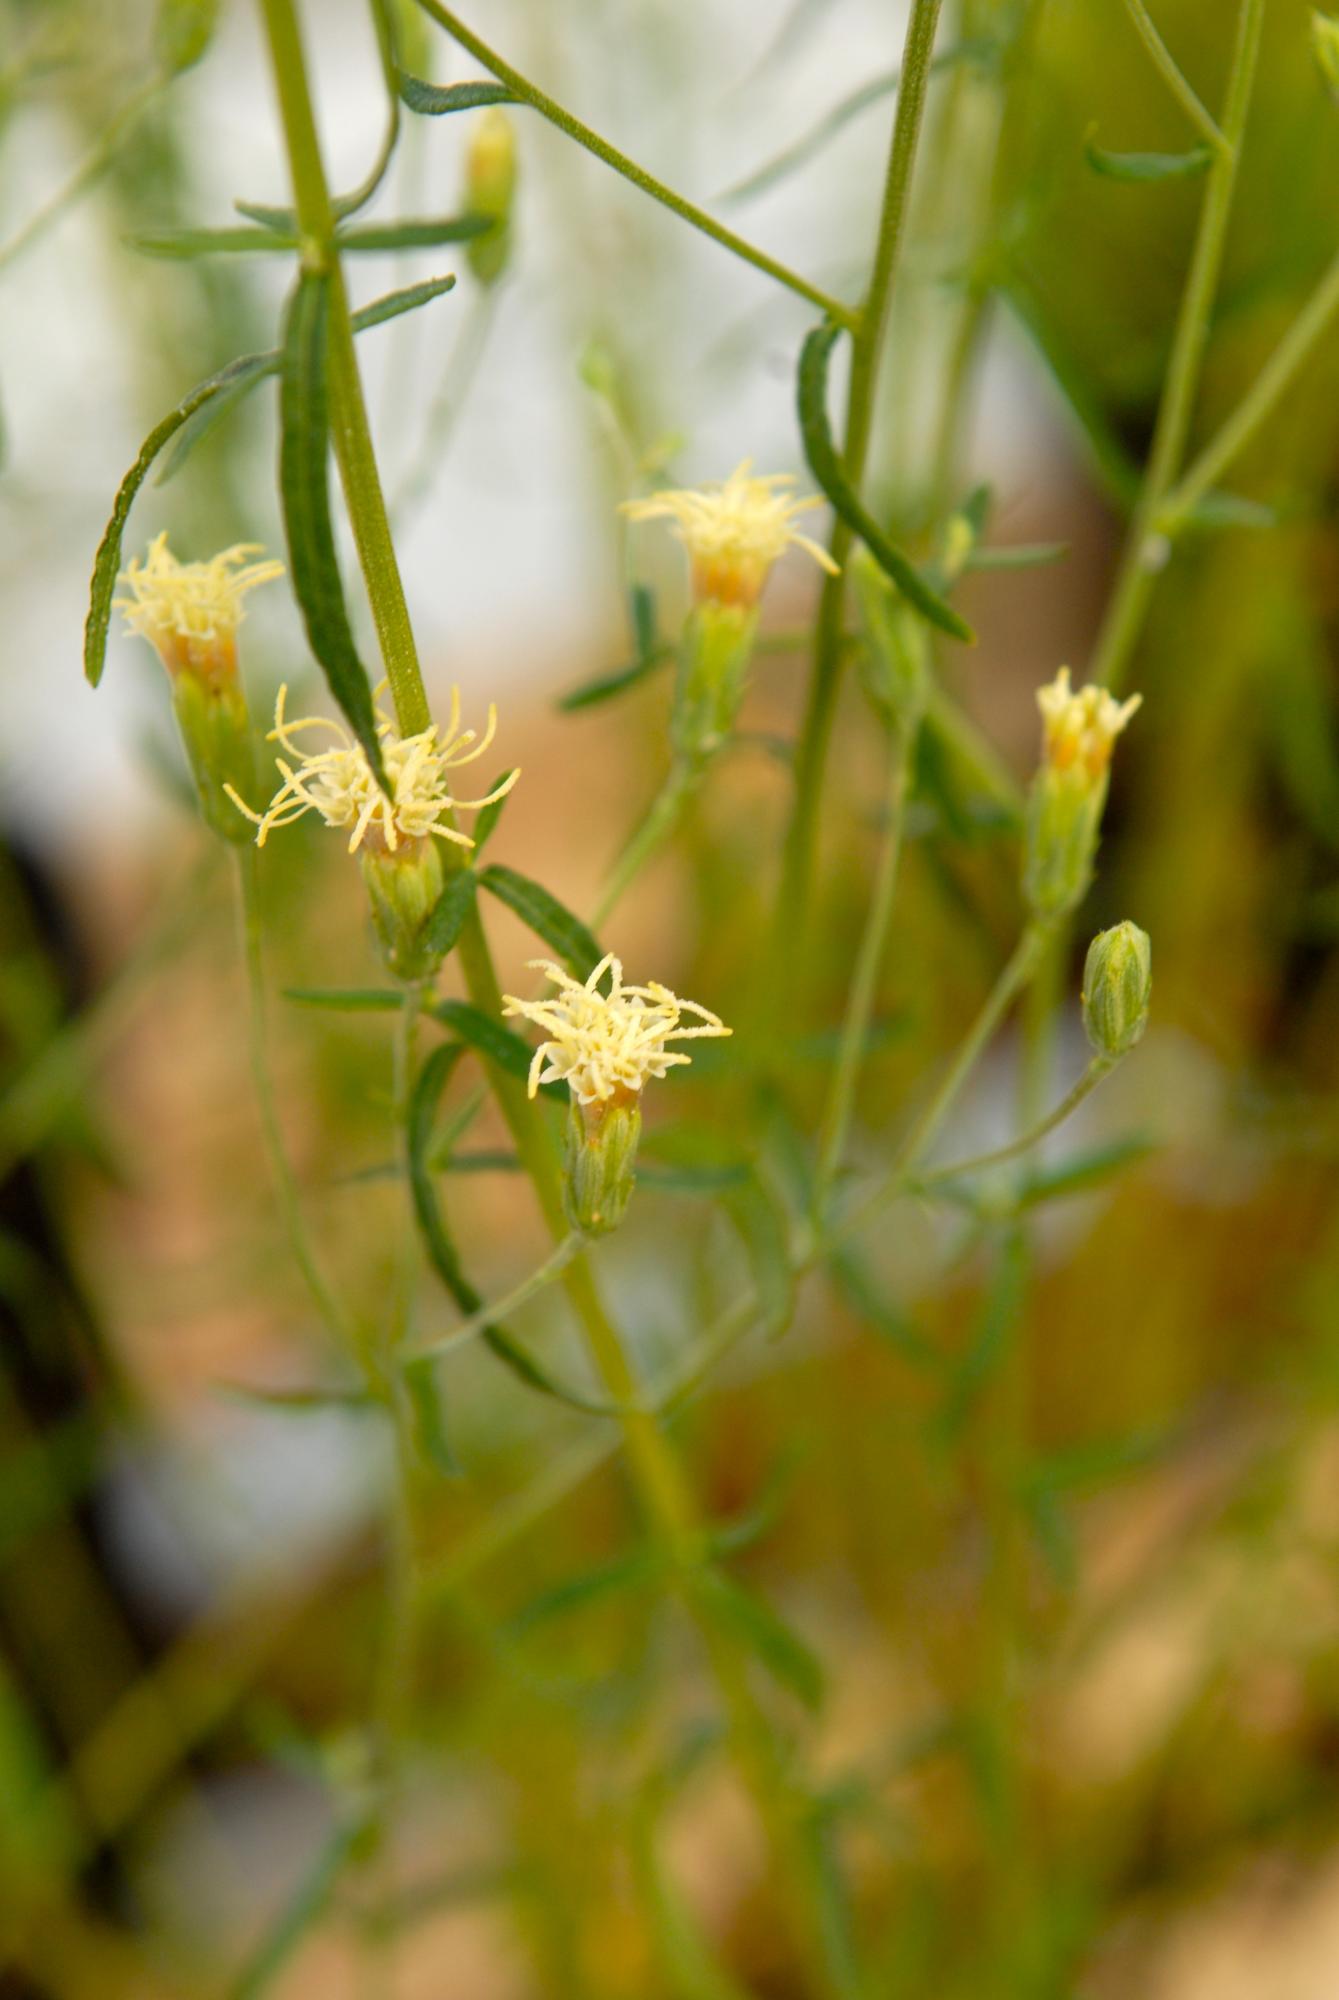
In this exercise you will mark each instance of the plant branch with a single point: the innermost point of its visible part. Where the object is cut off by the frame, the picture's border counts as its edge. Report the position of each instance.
(1175, 78)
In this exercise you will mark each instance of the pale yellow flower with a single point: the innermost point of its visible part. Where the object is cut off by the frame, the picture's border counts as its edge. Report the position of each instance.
(734, 531)
(190, 611)
(1080, 727)
(339, 783)
(607, 1045)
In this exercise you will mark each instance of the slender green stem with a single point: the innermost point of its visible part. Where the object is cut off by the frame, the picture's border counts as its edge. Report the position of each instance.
(1098, 1068)
(1174, 77)
(1145, 550)
(281, 1173)
(94, 162)
(657, 824)
(1258, 404)
(865, 978)
(867, 345)
(539, 1279)
(529, 93)
(351, 433)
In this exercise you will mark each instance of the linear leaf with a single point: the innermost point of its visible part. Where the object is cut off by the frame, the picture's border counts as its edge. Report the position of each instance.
(487, 818)
(420, 234)
(437, 1240)
(588, 1586)
(347, 999)
(1147, 166)
(298, 1915)
(304, 491)
(761, 1222)
(430, 1432)
(547, 917)
(179, 244)
(827, 468)
(444, 923)
(491, 1039)
(434, 100)
(1017, 555)
(603, 687)
(786, 1656)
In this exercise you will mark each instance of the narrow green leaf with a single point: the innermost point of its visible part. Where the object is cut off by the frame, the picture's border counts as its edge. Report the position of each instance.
(182, 32)
(827, 468)
(1119, 472)
(603, 687)
(498, 1044)
(996, 1326)
(441, 931)
(304, 490)
(588, 1586)
(434, 100)
(1231, 510)
(283, 221)
(391, 304)
(547, 918)
(486, 820)
(299, 1402)
(347, 999)
(180, 244)
(1147, 166)
(761, 1222)
(437, 1240)
(430, 1431)
(299, 1914)
(422, 234)
(1018, 555)
(1084, 1171)
(790, 1661)
(857, 1284)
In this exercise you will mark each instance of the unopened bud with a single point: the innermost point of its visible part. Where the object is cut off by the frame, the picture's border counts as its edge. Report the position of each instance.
(714, 655)
(599, 1157)
(1325, 44)
(215, 730)
(1117, 981)
(490, 189)
(404, 886)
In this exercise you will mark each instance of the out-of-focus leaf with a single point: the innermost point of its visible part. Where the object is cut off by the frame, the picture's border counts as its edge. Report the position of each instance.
(856, 1282)
(825, 464)
(588, 1586)
(1019, 555)
(304, 491)
(436, 100)
(1231, 510)
(1084, 1171)
(300, 1402)
(1147, 166)
(1119, 472)
(182, 32)
(761, 1222)
(303, 1909)
(430, 1432)
(996, 1326)
(181, 244)
(547, 918)
(347, 999)
(790, 1661)
(648, 655)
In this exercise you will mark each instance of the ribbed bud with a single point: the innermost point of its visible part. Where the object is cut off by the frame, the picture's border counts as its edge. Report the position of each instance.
(1117, 981)
(599, 1157)
(1064, 818)
(490, 189)
(404, 888)
(714, 656)
(215, 730)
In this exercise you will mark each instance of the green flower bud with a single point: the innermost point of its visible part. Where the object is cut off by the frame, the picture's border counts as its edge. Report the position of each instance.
(404, 887)
(714, 655)
(215, 730)
(490, 189)
(599, 1156)
(1325, 43)
(1117, 981)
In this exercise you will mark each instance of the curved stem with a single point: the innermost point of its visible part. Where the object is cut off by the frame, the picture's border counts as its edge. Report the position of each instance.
(864, 981)
(655, 827)
(1145, 551)
(469, 1329)
(538, 100)
(1256, 405)
(1174, 77)
(281, 1172)
(1098, 1068)
(867, 343)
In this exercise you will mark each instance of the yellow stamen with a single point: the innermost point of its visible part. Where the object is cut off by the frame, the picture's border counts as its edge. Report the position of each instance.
(607, 1044)
(735, 531)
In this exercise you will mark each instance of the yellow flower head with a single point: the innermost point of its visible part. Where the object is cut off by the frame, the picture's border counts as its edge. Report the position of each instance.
(1080, 728)
(339, 783)
(606, 1045)
(190, 611)
(734, 532)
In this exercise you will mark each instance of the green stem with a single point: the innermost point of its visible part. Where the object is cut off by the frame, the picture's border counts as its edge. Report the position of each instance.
(1098, 1068)
(1174, 77)
(281, 1173)
(1256, 405)
(547, 107)
(351, 433)
(866, 352)
(1145, 550)
(865, 978)
(658, 822)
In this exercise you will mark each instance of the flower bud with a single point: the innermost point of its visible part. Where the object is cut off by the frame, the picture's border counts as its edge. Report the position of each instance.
(404, 885)
(598, 1159)
(215, 730)
(1117, 981)
(490, 188)
(714, 655)
(1069, 792)
(1325, 44)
